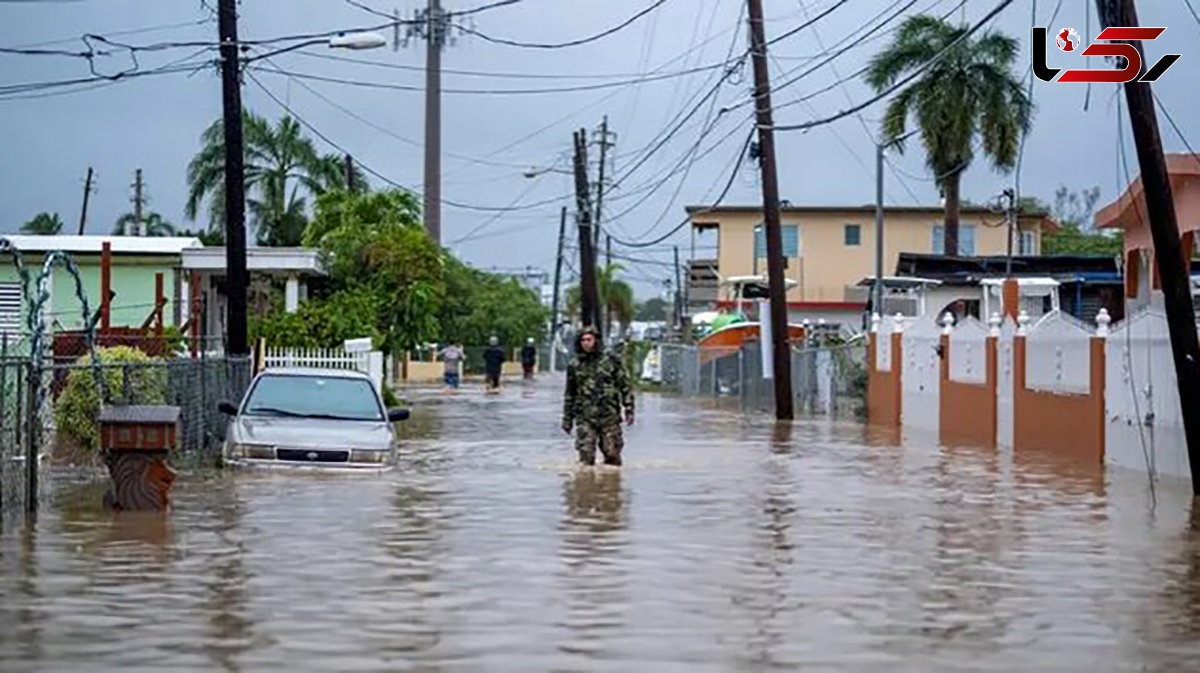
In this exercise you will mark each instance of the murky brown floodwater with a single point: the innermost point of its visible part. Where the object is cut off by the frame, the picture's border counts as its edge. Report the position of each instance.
(725, 545)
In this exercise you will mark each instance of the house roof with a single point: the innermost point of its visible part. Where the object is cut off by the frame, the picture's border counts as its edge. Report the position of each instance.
(973, 270)
(1113, 215)
(305, 261)
(91, 245)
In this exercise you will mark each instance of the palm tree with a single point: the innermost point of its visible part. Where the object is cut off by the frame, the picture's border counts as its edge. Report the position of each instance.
(153, 224)
(282, 167)
(616, 296)
(43, 224)
(971, 90)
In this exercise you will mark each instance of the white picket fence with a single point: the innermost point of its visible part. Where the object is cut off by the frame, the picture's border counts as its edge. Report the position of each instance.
(369, 362)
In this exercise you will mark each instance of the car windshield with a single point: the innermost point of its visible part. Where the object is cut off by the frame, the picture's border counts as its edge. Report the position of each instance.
(330, 397)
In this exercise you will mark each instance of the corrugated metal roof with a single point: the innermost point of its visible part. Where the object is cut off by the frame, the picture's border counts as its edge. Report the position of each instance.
(121, 245)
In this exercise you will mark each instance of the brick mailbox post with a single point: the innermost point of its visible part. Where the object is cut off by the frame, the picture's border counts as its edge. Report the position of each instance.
(135, 442)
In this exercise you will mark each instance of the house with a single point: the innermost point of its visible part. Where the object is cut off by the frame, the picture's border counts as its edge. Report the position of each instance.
(1128, 213)
(829, 249)
(136, 262)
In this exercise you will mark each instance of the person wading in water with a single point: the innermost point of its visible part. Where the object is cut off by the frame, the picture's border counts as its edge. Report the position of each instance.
(493, 360)
(598, 391)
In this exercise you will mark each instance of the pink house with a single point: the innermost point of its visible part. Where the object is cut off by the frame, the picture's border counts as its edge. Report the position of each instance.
(1129, 213)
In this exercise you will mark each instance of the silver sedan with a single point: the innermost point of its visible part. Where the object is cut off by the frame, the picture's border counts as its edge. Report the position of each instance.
(315, 418)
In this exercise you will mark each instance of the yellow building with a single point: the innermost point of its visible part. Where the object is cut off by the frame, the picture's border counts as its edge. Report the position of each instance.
(829, 250)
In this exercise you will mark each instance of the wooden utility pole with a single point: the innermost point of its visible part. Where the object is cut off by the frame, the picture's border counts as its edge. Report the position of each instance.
(235, 186)
(138, 205)
(771, 218)
(1164, 230)
(590, 301)
(87, 192)
(562, 235)
(678, 294)
(608, 269)
(348, 167)
(435, 38)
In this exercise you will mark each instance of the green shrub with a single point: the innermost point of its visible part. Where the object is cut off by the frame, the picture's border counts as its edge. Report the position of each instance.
(78, 404)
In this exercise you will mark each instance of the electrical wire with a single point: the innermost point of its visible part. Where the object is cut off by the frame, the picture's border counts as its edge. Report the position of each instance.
(1192, 9)
(920, 70)
(561, 45)
(1171, 121)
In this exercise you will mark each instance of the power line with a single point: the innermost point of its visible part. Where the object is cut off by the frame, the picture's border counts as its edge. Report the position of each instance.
(904, 81)
(1171, 121)
(571, 43)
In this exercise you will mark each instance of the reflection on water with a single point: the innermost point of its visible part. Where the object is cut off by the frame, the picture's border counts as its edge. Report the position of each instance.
(726, 544)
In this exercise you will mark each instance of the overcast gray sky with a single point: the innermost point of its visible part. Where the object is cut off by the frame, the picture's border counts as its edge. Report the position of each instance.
(154, 123)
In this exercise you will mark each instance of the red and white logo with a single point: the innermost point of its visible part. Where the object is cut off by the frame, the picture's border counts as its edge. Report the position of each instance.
(1068, 39)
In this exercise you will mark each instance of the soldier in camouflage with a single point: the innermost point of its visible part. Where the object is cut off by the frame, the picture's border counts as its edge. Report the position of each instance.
(598, 390)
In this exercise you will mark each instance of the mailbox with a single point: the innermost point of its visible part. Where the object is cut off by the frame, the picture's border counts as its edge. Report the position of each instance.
(135, 441)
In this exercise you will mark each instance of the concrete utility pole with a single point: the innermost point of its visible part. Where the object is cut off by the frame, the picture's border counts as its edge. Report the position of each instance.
(608, 266)
(604, 143)
(877, 288)
(590, 300)
(87, 192)
(436, 28)
(562, 235)
(770, 187)
(1172, 260)
(678, 294)
(235, 186)
(138, 205)
(1010, 222)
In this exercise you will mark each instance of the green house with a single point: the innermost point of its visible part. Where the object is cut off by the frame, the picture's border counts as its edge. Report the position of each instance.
(136, 261)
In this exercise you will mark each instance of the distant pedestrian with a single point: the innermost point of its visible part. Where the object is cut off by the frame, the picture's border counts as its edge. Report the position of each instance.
(493, 359)
(453, 355)
(528, 358)
(598, 390)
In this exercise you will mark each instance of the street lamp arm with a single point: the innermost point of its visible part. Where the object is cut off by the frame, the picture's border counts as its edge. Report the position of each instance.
(354, 41)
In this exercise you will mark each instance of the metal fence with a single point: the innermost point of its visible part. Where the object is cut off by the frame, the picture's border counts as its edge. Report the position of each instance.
(826, 380)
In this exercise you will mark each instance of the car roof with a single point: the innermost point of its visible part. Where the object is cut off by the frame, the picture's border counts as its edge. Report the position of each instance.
(315, 372)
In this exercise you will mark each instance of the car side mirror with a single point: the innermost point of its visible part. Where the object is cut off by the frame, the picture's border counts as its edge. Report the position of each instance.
(397, 415)
(227, 408)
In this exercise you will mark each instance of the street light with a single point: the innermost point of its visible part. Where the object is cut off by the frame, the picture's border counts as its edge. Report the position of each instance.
(880, 149)
(357, 41)
(532, 173)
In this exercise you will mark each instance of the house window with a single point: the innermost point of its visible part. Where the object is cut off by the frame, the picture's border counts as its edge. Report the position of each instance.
(791, 241)
(10, 308)
(1028, 243)
(966, 240)
(853, 234)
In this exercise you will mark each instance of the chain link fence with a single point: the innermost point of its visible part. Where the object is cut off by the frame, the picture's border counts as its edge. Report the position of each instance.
(826, 380)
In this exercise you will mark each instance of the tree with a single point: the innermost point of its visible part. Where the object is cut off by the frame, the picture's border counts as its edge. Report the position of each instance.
(615, 295)
(213, 236)
(654, 309)
(282, 165)
(153, 224)
(43, 224)
(969, 91)
(1076, 235)
(480, 305)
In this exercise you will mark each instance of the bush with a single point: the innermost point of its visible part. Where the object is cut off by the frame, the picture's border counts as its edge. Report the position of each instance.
(78, 404)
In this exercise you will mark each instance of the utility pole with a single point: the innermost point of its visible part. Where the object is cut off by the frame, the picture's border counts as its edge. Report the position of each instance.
(770, 188)
(87, 192)
(590, 301)
(678, 294)
(138, 205)
(562, 234)
(600, 185)
(348, 162)
(608, 265)
(1010, 222)
(1164, 230)
(877, 288)
(235, 186)
(436, 27)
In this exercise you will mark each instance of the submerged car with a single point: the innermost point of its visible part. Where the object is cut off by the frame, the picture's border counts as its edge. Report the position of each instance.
(312, 418)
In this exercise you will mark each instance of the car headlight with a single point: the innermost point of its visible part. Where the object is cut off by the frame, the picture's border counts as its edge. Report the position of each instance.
(376, 457)
(252, 451)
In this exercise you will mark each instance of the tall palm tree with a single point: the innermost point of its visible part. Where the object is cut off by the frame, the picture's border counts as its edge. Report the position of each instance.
(283, 167)
(970, 91)
(43, 224)
(153, 224)
(616, 296)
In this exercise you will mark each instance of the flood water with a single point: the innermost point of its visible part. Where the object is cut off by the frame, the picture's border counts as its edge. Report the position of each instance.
(725, 544)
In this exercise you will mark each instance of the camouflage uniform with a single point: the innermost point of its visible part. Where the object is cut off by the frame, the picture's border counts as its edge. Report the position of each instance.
(598, 389)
